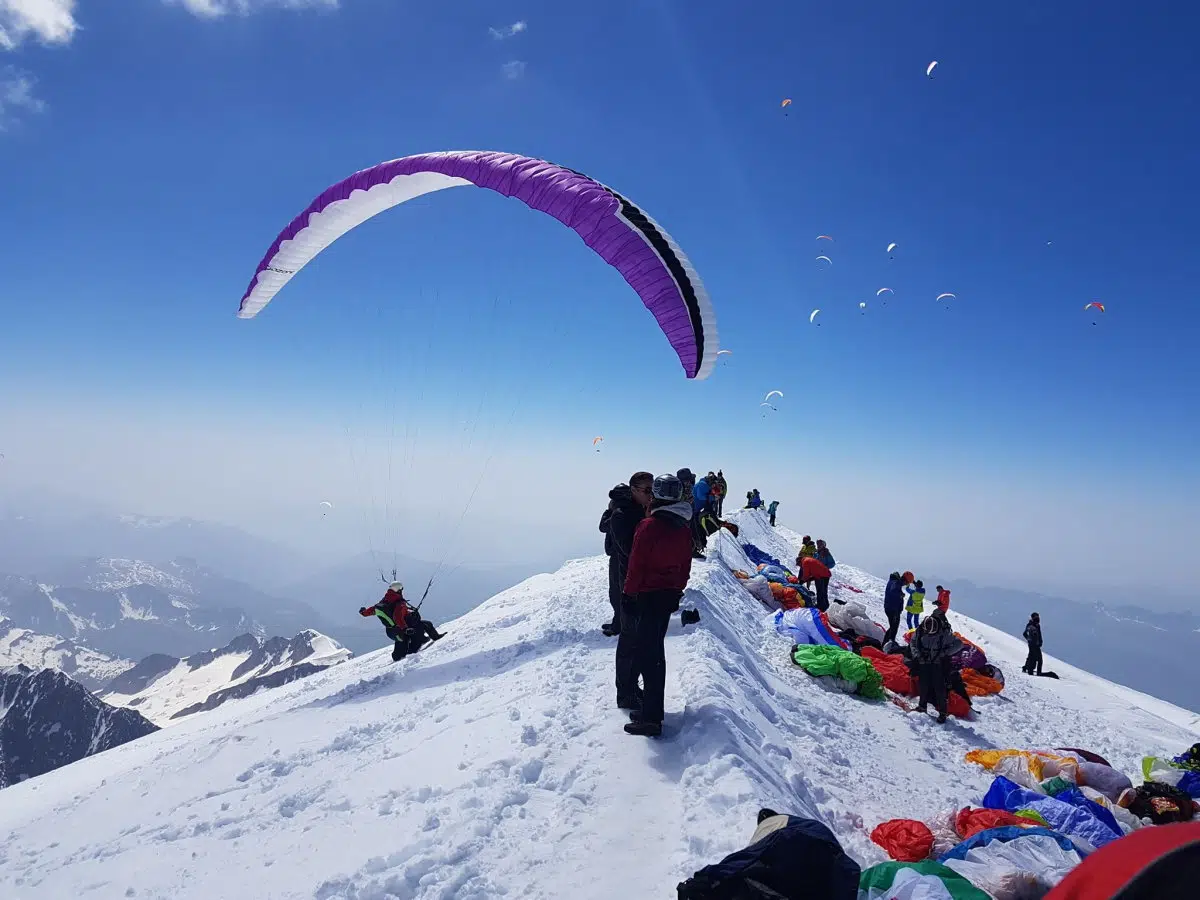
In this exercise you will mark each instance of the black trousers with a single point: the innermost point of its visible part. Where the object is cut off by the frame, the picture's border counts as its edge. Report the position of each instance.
(893, 625)
(627, 658)
(822, 594)
(772, 518)
(954, 682)
(1033, 662)
(654, 610)
(615, 577)
(932, 677)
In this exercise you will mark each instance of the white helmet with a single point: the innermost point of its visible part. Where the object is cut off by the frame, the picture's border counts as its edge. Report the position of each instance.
(396, 586)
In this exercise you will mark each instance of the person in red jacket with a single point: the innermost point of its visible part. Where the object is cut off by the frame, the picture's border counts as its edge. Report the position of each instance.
(401, 623)
(814, 570)
(943, 599)
(659, 567)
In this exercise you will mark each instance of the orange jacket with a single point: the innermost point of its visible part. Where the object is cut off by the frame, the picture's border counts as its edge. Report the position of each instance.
(943, 600)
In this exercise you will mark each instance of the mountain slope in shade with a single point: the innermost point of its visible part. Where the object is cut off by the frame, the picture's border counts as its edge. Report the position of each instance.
(494, 764)
(48, 720)
(164, 687)
(92, 669)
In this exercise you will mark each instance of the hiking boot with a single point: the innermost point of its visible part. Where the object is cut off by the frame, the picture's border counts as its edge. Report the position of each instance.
(645, 729)
(436, 636)
(941, 719)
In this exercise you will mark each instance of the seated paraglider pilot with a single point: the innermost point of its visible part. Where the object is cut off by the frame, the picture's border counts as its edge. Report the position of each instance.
(402, 623)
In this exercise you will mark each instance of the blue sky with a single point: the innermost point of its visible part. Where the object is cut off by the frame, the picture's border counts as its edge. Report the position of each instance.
(151, 150)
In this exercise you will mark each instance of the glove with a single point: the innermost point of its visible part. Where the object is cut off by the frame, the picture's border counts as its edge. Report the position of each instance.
(362, 611)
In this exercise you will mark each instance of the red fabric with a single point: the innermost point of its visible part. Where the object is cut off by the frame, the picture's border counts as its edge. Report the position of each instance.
(813, 568)
(661, 558)
(894, 672)
(969, 822)
(943, 600)
(1111, 869)
(905, 840)
(909, 577)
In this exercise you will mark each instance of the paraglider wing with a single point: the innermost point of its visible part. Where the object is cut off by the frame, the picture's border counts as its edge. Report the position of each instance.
(771, 394)
(884, 290)
(617, 230)
(891, 247)
(813, 316)
(723, 352)
(863, 307)
(824, 237)
(787, 101)
(327, 504)
(1094, 305)
(929, 70)
(596, 440)
(946, 296)
(826, 258)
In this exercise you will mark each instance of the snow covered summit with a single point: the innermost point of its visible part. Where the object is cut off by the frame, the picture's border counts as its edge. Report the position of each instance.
(494, 763)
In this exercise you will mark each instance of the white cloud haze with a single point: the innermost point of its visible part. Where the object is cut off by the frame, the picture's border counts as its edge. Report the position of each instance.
(16, 96)
(507, 31)
(212, 9)
(513, 70)
(48, 21)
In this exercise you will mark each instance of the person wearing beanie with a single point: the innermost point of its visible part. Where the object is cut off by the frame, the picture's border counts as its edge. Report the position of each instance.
(659, 567)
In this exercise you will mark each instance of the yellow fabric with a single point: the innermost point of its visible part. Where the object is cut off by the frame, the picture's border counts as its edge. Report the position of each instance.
(1026, 768)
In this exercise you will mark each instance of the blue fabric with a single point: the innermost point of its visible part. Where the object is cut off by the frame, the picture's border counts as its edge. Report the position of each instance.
(893, 596)
(1005, 833)
(826, 557)
(1190, 783)
(759, 558)
(1076, 798)
(914, 619)
(1062, 816)
(778, 574)
(700, 495)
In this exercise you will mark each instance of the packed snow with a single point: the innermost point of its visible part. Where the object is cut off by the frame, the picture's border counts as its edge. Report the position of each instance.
(494, 762)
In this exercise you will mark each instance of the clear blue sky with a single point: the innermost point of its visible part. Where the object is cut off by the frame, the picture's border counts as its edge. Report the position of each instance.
(170, 147)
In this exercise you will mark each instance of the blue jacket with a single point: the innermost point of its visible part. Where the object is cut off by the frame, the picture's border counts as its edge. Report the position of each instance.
(826, 557)
(700, 495)
(774, 506)
(893, 596)
(755, 502)
(801, 860)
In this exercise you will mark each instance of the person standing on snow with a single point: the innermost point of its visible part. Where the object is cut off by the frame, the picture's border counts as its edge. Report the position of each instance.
(771, 511)
(401, 623)
(932, 646)
(826, 559)
(688, 481)
(807, 548)
(916, 603)
(813, 570)
(724, 485)
(622, 526)
(893, 605)
(943, 599)
(1033, 637)
(627, 505)
(659, 567)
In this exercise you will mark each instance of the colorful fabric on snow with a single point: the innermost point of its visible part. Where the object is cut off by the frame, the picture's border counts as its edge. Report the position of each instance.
(853, 617)
(1104, 778)
(1085, 755)
(905, 840)
(759, 558)
(980, 685)
(1163, 771)
(1014, 863)
(1154, 864)
(970, 821)
(926, 880)
(821, 660)
(971, 656)
(807, 626)
(1086, 830)
(1024, 767)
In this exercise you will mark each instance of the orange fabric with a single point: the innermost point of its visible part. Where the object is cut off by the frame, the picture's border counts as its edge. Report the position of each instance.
(943, 600)
(980, 685)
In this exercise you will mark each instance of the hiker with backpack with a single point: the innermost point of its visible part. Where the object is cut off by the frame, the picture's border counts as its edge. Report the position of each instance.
(771, 510)
(402, 623)
(932, 646)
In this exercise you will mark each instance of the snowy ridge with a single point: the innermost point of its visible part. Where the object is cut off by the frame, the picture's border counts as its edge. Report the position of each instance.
(92, 669)
(163, 687)
(495, 763)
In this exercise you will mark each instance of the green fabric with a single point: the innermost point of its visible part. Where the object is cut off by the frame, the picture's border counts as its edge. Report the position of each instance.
(1056, 785)
(877, 881)
(825, 659)
(386, 618)
(1033, 816)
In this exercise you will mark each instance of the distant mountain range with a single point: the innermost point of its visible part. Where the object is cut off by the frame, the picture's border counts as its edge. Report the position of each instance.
(165, 687)
(48, 720)
(1155, 652)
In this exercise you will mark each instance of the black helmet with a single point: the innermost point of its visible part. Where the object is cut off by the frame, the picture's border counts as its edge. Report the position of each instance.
(667, 487)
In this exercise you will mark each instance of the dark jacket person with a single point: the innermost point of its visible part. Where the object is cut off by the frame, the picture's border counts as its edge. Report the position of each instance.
(627, 505)
(659, 567)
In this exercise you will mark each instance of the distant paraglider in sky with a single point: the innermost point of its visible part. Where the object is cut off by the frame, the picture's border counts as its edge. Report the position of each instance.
(892, 246)
(724, 352)
(824, 237)
(787, 101)
(947, 297)
(826, 258)
(884, 291)
(929, 69)
(596, 442)
(813, 316)
(1095, 304)
(863, 307)
(770, 394)
(325, 507)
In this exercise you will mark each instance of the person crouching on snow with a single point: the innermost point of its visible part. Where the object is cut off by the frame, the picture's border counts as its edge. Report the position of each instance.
(659, 566)
(401, 623)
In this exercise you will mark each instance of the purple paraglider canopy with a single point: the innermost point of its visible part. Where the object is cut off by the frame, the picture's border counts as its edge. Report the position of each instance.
(624, 236)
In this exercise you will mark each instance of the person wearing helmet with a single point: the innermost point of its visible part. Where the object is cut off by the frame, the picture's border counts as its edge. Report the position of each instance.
(403, 624)
(659, 567)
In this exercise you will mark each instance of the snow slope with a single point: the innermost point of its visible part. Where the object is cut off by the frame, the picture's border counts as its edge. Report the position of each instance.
(493, 764)
(163, 687)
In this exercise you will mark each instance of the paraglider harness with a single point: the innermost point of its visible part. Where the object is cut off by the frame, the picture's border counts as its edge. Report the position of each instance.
(407, 634)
